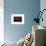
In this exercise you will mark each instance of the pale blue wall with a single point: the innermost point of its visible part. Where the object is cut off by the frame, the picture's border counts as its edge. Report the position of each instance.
(26, 7)
(43, 6)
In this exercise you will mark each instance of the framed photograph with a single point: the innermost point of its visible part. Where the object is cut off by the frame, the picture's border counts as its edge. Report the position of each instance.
(17, 19)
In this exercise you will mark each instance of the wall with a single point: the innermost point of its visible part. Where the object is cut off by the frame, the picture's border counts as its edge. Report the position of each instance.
(43, 6)
(26, 7)
(1, 20)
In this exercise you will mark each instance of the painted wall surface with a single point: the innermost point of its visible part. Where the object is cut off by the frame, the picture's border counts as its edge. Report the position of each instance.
(43, 6)
(26, 7)
(1, 20)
